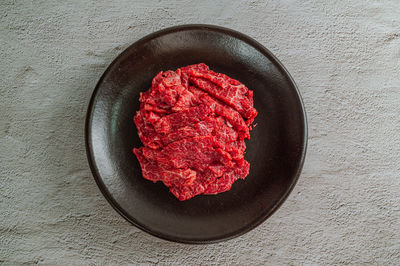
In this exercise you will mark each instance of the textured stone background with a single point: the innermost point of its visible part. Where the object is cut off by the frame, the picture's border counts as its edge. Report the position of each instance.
(345, 59)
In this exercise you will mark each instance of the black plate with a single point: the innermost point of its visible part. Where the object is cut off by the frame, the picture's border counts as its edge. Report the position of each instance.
(276, 150)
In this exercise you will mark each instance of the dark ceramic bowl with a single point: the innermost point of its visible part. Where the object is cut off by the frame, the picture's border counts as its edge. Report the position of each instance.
(276, 150)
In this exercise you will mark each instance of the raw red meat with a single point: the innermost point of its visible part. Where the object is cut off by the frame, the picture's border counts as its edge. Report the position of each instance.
(222, 87)
(193, 123)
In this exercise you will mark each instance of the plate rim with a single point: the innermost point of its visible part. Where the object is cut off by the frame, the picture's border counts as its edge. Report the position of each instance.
(89, 149)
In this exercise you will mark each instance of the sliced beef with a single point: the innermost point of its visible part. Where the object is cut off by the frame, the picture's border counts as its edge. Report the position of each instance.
(228, 178)
(193, 123)
(224, 88)
(196, 153)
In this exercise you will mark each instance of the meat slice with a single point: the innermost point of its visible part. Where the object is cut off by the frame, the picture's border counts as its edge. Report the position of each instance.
(195, 153)
(202, 128)
(159, 131)
(224, 88)
(177, 120)
(152, 127)
(188, 172)
(219, 108)
(165, 91)
(144, 121)
(228, 178)
(167, 94)
(194, 186)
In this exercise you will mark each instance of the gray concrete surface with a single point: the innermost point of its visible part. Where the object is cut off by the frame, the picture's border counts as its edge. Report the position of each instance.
(345, 59)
